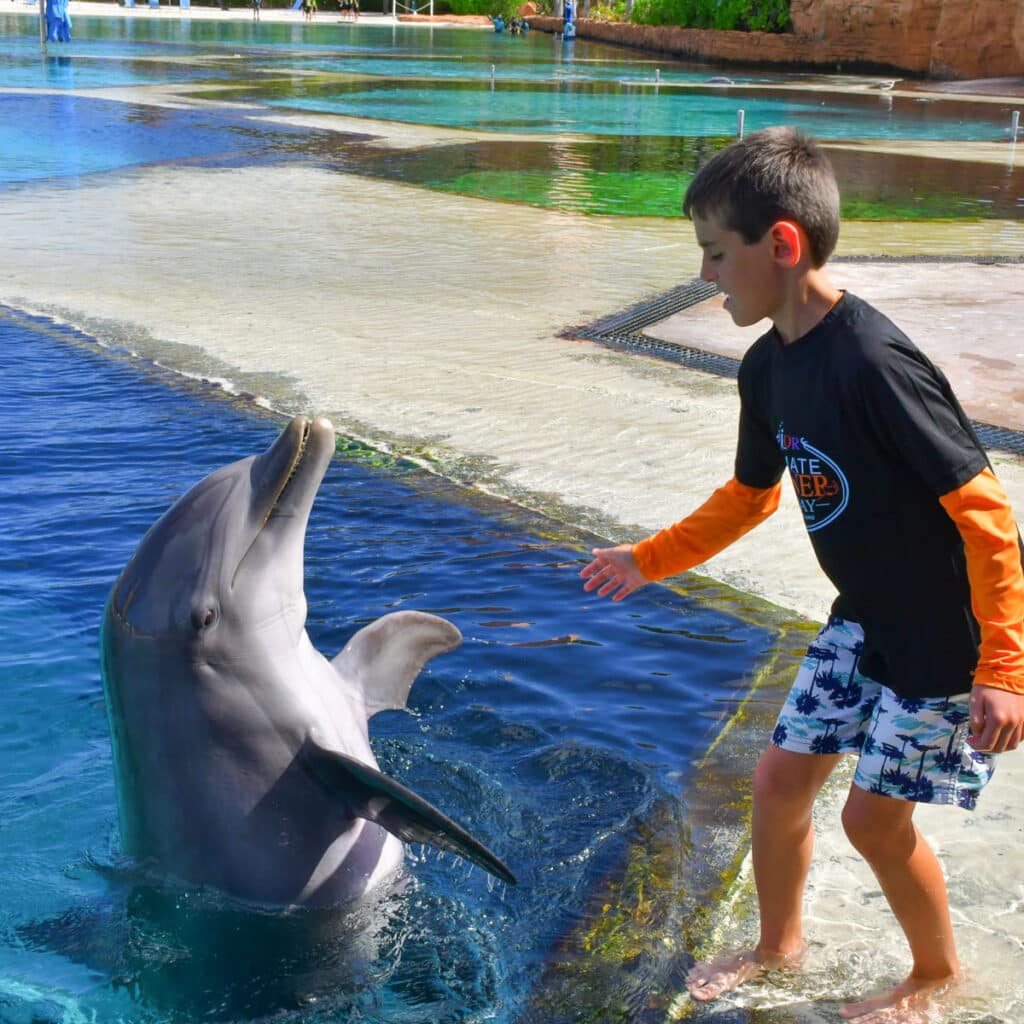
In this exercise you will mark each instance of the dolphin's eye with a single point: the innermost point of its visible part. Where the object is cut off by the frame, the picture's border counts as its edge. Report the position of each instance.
(204, 617)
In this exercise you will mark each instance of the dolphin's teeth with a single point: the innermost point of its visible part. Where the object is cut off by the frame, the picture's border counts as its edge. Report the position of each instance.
(292, 472)
(299, 456)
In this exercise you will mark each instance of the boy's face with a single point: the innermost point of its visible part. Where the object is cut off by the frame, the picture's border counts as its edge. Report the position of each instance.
(748, 273)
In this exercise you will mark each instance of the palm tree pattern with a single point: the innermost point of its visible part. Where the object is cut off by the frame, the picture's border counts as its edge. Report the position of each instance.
(911, 748)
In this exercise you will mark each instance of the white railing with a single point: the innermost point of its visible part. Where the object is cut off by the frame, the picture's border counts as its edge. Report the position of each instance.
(412, 7)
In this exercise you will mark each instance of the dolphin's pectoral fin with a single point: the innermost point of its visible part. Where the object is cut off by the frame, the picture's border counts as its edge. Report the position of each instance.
(368, 793)
(384, 658)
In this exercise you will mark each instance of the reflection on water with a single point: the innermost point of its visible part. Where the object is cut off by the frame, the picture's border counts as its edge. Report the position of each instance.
(647, 138)
(647, 177)
(68, 136)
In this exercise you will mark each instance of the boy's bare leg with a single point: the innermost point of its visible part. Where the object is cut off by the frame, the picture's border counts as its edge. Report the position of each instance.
(785, 785)
(883, 832)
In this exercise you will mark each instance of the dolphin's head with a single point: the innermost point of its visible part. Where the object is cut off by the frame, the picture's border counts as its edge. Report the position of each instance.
(229, 553)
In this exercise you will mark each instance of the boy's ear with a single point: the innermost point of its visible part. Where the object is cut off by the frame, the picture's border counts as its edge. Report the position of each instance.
(787, 242)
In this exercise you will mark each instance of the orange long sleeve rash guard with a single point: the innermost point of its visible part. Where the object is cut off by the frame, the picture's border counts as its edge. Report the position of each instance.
(733, 510)
(979, 509)
(982, 515)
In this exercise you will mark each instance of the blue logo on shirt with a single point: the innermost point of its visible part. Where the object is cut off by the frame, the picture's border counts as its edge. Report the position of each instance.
(821, 486)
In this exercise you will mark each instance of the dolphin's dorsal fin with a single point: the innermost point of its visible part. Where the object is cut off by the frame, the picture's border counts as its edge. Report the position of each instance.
(367, 793)
(383, 659)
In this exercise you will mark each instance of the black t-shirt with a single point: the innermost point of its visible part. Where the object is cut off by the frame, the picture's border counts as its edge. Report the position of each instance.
(872, 436)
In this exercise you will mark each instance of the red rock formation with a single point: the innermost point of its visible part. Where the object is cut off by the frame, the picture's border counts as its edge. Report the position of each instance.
(936, 38)
(939, 38)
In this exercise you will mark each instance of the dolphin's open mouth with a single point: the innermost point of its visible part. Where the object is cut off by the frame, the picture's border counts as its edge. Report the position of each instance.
(285, 480)
(288, 475)
(293, 469)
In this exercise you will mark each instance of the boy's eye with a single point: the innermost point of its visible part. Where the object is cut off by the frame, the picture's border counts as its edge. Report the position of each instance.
(715, 257)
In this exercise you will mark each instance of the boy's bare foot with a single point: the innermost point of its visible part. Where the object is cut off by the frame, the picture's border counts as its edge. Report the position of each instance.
(727, 971)
(913, 1001)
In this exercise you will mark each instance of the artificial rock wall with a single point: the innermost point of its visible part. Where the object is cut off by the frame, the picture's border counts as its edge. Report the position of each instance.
(959, 39)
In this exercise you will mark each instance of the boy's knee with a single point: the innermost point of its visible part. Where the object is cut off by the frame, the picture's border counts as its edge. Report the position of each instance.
(877, 835)
(857, 825)
(779, 780)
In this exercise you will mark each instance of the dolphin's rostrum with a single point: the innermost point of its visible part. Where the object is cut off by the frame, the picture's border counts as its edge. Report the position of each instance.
(242, 756)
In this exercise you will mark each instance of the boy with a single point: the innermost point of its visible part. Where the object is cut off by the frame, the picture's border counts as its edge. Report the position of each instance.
(920, 668)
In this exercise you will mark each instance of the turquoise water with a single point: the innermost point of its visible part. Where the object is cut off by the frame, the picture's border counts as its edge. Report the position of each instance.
(640, 126)
(608, 108)
(541, 84)
(562, 726)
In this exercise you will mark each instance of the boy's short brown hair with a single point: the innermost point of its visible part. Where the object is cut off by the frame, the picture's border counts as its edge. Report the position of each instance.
(771, 175)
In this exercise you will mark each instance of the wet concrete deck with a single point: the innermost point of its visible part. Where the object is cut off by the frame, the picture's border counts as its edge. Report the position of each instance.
(965, 316)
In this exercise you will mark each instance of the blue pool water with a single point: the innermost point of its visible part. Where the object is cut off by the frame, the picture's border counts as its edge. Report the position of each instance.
(610, 108)
(70, 137)
(541, 84)
(640, 126)
(563, 727)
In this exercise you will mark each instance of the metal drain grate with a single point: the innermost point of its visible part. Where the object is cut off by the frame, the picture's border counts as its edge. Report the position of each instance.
(999, 439)
(633, 320)
(624, 331)
(693, 358)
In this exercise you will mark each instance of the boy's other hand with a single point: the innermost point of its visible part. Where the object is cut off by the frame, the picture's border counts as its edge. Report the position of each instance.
(613, 571)
(997, 720)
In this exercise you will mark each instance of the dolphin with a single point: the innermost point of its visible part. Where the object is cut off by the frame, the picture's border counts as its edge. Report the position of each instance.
(241, 754)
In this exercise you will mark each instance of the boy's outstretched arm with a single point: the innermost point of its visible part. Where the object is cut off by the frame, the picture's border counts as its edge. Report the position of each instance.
(982, 514)
(733, 510)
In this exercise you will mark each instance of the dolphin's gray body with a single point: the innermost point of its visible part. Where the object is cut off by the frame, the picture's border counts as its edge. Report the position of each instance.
(241, 754)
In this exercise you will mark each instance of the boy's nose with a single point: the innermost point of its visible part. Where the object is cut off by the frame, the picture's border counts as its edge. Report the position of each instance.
(707, 270)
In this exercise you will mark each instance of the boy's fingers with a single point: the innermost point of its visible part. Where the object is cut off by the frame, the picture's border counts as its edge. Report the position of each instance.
(599, 562)
(979, 741)
(986, 736)
(977, 708)
(606, 577)
(997, 720)
(600, 579)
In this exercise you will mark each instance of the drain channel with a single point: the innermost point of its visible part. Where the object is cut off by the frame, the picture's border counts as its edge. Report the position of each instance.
(624, 331)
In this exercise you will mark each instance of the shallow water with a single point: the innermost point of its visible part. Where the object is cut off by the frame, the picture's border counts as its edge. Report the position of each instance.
(546, 729)
(559, 105)
(650, 122)
(443, 76)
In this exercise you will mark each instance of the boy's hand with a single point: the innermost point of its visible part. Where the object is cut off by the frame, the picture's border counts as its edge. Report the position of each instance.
(997, 720)
(614, 571)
